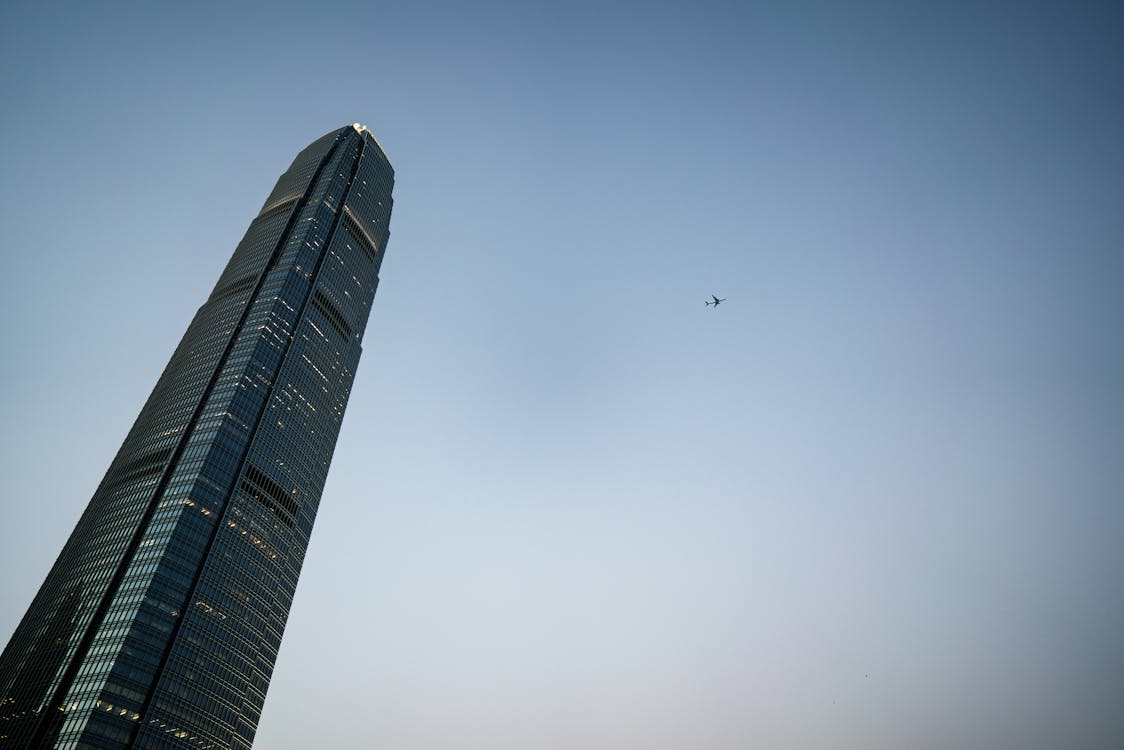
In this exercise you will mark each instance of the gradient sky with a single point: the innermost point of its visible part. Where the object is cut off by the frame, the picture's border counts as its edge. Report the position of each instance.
(876, 500)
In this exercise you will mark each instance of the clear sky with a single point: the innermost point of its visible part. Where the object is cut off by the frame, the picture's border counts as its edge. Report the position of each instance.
(875, 500)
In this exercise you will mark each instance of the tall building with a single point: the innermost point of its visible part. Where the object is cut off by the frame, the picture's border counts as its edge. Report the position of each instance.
(159, 624)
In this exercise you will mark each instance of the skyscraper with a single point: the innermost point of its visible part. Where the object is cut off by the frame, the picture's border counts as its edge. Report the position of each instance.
(159, 624)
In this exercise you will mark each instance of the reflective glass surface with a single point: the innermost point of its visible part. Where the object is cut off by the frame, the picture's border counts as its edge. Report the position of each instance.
(159, 624)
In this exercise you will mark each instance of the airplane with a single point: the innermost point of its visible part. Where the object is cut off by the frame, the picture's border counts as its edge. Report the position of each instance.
(716, 301)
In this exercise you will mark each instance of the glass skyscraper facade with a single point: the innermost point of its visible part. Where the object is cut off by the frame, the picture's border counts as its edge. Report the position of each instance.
(159, 624)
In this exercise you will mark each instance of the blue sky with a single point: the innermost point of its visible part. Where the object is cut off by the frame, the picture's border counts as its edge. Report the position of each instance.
(874, 500)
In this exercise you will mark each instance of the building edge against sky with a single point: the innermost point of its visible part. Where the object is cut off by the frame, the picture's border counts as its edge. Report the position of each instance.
(158, 625)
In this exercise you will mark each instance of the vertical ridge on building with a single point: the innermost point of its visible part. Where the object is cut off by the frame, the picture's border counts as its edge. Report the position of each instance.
(159, 623)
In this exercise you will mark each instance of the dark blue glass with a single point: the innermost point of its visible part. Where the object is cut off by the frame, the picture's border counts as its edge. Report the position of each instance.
(159, 624)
